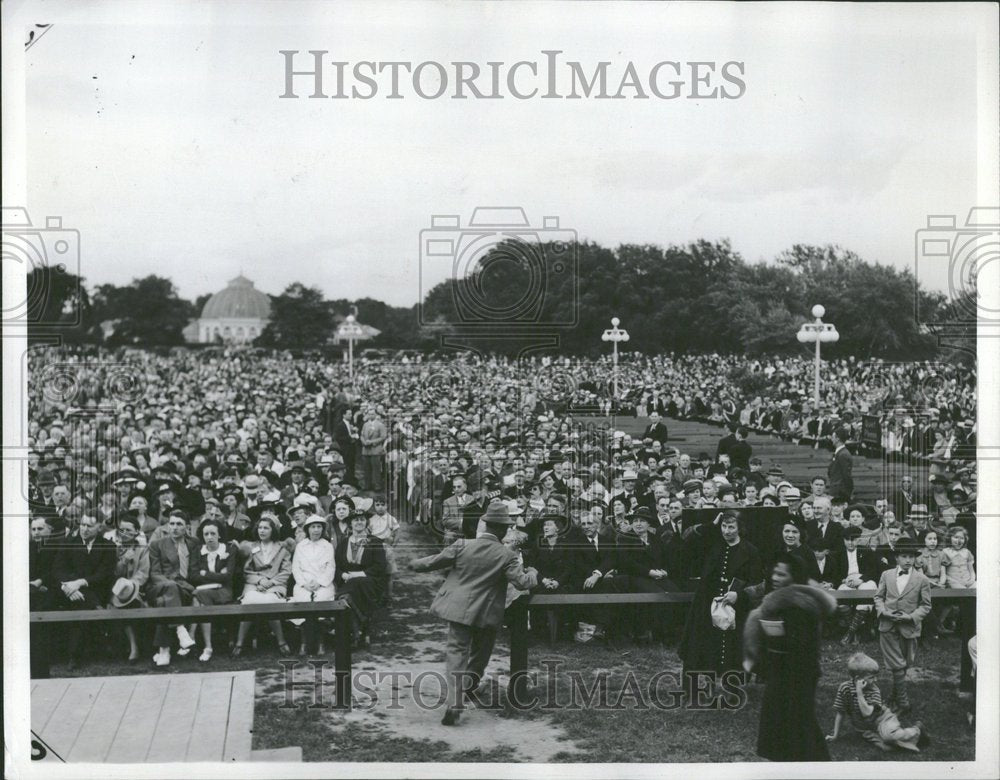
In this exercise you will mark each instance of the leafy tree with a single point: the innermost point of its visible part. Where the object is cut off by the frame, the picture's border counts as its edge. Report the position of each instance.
(199, 303)
(871, 305)
(300, 319)
(147, 312)
(56, 303)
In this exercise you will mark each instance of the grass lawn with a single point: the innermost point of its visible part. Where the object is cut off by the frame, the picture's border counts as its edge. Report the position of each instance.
(411, 635)
(652, 734)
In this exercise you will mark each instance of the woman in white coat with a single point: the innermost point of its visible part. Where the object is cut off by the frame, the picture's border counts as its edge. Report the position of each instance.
(313, 568)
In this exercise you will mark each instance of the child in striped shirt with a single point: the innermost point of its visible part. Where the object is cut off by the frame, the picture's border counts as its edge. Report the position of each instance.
(860, 699)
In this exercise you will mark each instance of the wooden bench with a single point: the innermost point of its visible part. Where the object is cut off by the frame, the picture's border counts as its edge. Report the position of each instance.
(519, 622)
(338, 610)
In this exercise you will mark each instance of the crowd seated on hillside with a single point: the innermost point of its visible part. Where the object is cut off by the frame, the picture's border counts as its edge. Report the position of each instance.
(245, 476)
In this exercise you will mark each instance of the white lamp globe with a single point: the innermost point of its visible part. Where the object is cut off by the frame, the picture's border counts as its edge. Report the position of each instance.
(614, 322)
(818, 311)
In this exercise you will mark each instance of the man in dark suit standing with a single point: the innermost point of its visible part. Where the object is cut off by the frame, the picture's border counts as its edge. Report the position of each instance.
(346, 437)
(740, 450)
(841, 466)
(903, 498)
(82, 573)
(727, 441)
(472, 600)
(656, 430)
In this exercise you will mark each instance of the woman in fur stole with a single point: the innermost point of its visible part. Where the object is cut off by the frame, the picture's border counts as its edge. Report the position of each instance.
(784, 633)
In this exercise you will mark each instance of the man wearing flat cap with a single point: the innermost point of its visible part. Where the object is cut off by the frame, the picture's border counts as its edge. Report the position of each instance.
(472, 600)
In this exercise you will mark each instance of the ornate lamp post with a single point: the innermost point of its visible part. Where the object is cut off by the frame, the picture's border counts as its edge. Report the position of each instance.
(818, 332)
(350, 329)
(614, 334)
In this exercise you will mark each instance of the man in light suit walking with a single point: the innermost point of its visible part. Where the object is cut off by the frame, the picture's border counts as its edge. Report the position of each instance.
(902, 602)
(472, 600)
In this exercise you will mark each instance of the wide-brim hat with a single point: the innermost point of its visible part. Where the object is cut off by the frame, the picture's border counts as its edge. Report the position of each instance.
(497, 514)
(918, 512)
(313, 520)
(124, 592)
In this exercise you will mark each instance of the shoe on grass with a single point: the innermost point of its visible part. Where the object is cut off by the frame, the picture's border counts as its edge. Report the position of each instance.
(184, 638)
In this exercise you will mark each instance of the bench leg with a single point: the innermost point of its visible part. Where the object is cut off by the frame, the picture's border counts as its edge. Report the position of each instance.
(553, 619)
(517, 689)
(342, 659)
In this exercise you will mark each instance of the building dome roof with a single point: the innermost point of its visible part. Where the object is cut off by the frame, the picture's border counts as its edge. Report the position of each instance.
(239, 299)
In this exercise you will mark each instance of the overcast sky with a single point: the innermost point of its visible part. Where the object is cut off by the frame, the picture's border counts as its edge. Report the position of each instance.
(167, 146)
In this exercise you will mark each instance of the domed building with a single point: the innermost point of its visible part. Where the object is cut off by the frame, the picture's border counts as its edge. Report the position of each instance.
(236, 314)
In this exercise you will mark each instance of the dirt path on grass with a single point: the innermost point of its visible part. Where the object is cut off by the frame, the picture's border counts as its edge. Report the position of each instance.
(398, 683)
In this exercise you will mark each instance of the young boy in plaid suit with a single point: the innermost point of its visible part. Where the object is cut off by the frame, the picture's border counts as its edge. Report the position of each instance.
(902, 601)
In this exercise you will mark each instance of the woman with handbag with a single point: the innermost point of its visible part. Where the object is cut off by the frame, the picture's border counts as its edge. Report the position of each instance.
(266, 573)
(783, 635)
(728, 565)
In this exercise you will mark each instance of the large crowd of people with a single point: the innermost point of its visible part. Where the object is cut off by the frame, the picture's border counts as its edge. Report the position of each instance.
(237, 475)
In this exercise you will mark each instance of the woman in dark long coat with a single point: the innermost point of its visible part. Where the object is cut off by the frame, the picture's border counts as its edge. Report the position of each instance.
(783, 637)
(728, 566)
(361, 572)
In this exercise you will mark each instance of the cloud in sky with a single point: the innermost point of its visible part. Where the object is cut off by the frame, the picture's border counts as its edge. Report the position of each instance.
(166, 144)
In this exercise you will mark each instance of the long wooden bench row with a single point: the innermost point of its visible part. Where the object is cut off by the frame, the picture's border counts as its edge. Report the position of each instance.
(518, 621)
(338, 610)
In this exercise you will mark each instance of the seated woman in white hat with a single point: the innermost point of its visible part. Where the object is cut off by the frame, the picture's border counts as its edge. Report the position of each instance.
(313, 567)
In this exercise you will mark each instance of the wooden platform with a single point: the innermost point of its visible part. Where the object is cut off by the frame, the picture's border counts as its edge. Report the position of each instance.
(146, 718)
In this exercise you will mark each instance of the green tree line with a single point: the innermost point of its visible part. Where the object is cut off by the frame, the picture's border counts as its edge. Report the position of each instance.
(699, 297)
